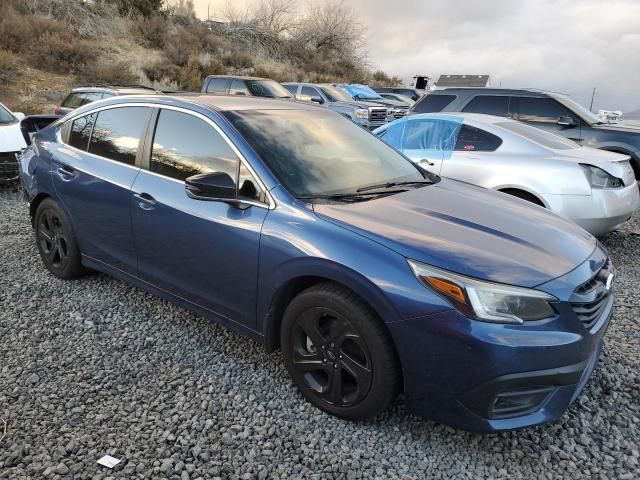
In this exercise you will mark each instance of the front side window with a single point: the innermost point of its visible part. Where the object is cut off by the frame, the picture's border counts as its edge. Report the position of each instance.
(238, 87)
(489, 104)
(81, 131)
(184, 145)
(307, 93)
(117, 133)
(317, 153)
(423, 134)
(540, 110)
(6, 116)
(432, 103)
(335, 94)
(472, 139)
(293, 89)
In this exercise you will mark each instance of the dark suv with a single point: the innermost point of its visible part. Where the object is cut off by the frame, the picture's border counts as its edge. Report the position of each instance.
(413, 93)
(554, 112)
(82, 95)
(244, 86)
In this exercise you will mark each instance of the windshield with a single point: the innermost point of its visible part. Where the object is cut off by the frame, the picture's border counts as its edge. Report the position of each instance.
(361, 92)
(267, 88)
(579, 109)
(335, 94)
(314, 153)
(539, 136)
(6, 116)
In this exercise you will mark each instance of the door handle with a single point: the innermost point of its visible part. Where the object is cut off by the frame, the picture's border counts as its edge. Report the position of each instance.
(145, 201)
(66, 173)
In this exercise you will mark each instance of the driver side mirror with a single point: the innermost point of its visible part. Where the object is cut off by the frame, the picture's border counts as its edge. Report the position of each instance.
(567, 122)
(211, 186)
(316, 99)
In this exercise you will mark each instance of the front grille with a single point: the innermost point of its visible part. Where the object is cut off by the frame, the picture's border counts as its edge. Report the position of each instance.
(590, 299)
(377, 114)
(8, 166)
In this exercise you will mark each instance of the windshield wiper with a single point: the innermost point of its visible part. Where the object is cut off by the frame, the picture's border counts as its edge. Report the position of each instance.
(352, 196)
(393, 184)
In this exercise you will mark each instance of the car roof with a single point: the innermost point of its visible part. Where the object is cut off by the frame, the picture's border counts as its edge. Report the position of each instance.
(220, 103)
(239, 77)
(128, 89)
(494, 91)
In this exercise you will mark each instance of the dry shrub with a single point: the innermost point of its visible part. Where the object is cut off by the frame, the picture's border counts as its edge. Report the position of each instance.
(238, 59)
(152, 31)
(9, 67)
(274, 74)
(119, 73)
(162, 71)
(193, 73)
(180, 45)
(62, 53)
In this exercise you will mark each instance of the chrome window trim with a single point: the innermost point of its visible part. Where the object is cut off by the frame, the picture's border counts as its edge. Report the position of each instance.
(270, 205)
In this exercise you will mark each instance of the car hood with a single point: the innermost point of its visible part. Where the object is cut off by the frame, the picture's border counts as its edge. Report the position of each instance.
(11, 139)
(621, 126)
(469, 230)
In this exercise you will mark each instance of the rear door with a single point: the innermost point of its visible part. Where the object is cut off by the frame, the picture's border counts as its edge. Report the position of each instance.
(205, 252)
(93, 174)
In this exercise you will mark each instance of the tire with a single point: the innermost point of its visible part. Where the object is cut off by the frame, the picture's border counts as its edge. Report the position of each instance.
(339, 354)
(524, 196)
(56, 241)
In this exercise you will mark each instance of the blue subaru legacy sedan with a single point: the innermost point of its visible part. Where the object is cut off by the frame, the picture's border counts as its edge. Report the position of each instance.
(292, 225)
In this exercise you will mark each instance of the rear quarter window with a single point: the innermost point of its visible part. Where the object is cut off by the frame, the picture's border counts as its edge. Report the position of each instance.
(81, 131)
(433, 103)
(472, 139)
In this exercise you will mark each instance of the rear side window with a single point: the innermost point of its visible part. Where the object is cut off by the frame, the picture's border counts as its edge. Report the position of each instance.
(472, 139)
(184, 145)
(117, 133)
(489, 104)
(433, 103)
(293, 89)
(74, 100)
(218, 85)
(81, 131)
(541, 110)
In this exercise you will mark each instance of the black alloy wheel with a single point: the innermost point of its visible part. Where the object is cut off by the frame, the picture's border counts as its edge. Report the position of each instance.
(56, 242)
(339, 353)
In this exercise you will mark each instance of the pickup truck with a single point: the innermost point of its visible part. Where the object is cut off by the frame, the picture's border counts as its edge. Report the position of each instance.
(366, 114)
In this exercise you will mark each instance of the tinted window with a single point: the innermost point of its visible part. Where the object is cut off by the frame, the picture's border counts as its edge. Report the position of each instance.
(91, 97)
(433, 103)
(307, 92)
(538, 135)
(248, 187)
(6, 116)
(81, 131)
(293, 89)
(218, 85)
(316, 152)
(117, 133)
(475, 140)
(543, 110)
(267, 88)
(238, 87)
(489, 104)
(74, 100)
(184, 145)
(335, 94)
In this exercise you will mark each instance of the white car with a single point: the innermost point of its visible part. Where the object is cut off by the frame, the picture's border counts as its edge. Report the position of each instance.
(11, 143)
(594, 188)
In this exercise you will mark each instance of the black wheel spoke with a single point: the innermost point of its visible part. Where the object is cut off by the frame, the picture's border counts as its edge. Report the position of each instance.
(45, 235)
(335, 387)
(309, 362)
(361, 373)
(339, 330)
(309, 322)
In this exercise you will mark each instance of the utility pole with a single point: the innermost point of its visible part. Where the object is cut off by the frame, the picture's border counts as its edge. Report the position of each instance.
(593, 94)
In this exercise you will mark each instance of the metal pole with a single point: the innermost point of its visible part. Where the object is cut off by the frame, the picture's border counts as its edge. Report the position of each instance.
(593, 94)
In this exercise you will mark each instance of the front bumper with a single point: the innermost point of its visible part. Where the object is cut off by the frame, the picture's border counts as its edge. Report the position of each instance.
(599, 213)
(487, 377)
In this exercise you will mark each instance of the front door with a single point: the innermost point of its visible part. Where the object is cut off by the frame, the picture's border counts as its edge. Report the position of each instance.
(205, 252)
(93, 174)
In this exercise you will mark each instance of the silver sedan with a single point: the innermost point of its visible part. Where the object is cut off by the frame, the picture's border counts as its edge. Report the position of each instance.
(595, 189)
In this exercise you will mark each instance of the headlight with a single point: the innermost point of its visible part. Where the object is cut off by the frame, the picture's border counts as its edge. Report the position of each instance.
(486, 301)
(598, 178)
(362, 113)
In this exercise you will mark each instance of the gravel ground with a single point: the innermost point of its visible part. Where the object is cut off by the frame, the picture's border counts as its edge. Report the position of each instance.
(95, 367)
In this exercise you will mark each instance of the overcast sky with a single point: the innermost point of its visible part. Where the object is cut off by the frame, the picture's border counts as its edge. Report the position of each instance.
(569, 46)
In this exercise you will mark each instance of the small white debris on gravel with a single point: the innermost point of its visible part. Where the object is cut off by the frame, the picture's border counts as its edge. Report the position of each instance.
(94, 367)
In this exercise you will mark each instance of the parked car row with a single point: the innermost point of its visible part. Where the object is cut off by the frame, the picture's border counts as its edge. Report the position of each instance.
(371, 272)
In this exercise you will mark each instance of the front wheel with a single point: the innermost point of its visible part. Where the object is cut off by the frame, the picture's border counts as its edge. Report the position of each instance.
(56, 242)
(339, 354)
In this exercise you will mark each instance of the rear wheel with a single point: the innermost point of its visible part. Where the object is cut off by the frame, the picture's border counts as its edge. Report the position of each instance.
(56, 242)
(523, 195)
(338, 353)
